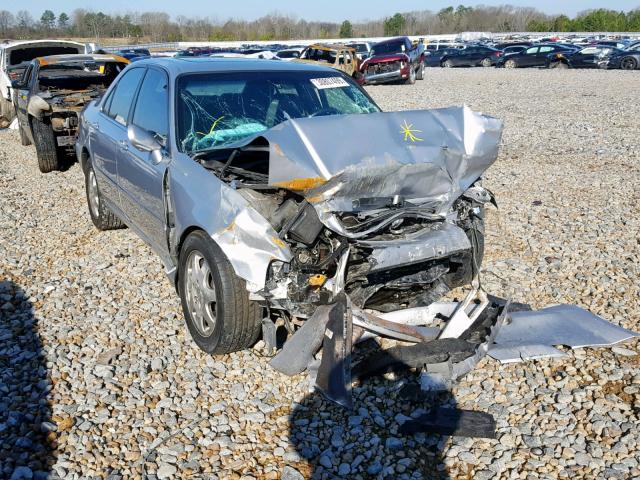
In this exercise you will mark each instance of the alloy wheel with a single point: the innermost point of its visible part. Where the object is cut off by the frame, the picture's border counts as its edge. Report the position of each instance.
(200, 293)
(93, 194)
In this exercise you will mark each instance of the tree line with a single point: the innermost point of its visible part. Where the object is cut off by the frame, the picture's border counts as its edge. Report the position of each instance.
(160, 27)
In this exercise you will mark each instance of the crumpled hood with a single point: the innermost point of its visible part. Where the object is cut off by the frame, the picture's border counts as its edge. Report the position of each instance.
(429, 157)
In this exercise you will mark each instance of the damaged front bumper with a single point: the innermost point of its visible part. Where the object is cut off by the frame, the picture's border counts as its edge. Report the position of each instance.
(336, 327)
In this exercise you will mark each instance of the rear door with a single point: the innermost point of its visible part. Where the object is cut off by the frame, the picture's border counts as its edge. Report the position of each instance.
(139, 177)
(529, 57)
(585, 58)
(108, 132)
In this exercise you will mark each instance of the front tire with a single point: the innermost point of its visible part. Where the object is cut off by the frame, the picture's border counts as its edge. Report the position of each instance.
(46, 149)
(420, 74)
(412, 76)
(510, 64)
(486, 62)
(217, 310)
(101, 216)
(628, 63)
(447, 64)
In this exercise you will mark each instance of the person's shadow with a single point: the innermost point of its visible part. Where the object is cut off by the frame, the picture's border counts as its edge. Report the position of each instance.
(371, 441)
(27, 432)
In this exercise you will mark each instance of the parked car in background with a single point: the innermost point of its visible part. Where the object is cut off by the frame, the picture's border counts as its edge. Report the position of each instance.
(433, 58)
(363, 49)
(393, 60)
(135, 54)
(511, 50)
(340, 57)
(51, 94)
(503, 46)
(535, 56)
(626, 59)
(472, 56)
(289, 53)
(14, 58)
(587, 57)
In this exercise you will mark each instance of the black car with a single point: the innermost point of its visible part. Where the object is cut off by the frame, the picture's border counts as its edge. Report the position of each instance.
(433, 58)
(535, 56)
(513, 49)
(626, 59)
(473, 56)
(589, 57)
(505, 45)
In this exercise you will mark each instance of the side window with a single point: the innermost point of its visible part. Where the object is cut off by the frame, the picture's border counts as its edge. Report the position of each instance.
(547, 49)
(120, 104)
(152, 106)
(532, 50)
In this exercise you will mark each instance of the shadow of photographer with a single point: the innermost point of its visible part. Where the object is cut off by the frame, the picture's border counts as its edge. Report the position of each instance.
(27, 434)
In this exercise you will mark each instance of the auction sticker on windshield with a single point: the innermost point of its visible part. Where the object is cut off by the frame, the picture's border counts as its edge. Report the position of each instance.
(329, 82)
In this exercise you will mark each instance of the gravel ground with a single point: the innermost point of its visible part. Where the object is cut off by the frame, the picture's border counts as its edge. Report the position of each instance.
(96, 366)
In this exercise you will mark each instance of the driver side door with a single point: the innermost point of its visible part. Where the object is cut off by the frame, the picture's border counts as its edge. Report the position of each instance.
(140, 178)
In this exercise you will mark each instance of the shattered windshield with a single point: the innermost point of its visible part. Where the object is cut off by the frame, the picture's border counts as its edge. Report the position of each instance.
(217, 109)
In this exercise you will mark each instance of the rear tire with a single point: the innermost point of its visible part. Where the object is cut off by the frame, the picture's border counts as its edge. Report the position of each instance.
(559, 65)
(447, 64)
(101, 216)
(420, 74)
(486, 62)
(46, 149)
(24, 140)
(217, 310)
(510, 64)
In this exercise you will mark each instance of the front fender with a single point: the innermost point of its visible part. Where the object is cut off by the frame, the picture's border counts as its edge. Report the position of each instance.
(202, 200)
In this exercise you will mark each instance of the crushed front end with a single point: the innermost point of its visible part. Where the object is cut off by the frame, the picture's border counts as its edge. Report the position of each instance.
(377, 234)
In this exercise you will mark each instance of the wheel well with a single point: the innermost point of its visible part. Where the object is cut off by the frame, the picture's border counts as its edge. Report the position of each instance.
(188, 231)
(84, 156)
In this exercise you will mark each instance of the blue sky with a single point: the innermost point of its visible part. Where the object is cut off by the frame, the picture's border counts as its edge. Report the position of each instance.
(331, 10)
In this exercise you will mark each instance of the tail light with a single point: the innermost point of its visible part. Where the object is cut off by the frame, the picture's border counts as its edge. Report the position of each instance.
(499, 54)
(401, 64)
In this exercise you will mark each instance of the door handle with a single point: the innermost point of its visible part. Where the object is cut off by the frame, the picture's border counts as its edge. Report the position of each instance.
(123, 145)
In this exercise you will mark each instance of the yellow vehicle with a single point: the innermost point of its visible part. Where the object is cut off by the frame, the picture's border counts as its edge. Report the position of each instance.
(340, 57)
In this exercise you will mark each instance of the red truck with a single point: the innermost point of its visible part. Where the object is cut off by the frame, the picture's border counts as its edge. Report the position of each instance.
(393, 60)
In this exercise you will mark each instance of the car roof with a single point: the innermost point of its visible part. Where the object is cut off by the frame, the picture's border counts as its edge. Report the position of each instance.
(180, 65)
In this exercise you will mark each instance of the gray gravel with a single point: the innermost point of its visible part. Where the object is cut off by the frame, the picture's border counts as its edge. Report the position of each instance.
(96, 367)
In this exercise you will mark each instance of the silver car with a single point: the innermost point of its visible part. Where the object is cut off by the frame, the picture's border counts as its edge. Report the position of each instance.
(278, 194)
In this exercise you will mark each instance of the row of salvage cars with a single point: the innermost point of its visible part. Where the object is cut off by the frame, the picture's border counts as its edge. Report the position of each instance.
(279, 196)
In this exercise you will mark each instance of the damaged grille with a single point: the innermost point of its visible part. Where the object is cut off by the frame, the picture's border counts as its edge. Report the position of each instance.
(384, 67)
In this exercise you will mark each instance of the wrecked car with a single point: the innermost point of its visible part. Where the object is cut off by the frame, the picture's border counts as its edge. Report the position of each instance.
(280, 194)
(340, 57)
(394, 60)
(14, 59)
(50, 95)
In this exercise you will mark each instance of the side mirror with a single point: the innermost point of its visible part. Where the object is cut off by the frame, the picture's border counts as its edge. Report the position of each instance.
(144, 141)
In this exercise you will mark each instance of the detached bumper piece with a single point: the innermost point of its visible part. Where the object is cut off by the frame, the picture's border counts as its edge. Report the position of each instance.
(444, 359)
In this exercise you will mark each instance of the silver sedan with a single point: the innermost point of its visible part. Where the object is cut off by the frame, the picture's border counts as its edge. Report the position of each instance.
(272, 190)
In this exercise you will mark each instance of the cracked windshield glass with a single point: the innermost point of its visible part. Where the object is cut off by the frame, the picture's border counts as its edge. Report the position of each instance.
(217, 110)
